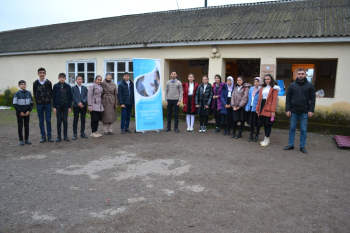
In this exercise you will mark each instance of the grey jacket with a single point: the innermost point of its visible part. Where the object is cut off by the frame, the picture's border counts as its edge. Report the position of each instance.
(173, 91)
(95, 98)
(79, 97)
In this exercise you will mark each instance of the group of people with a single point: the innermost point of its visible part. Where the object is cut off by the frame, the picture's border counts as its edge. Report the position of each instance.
(241, 102)
(229, 102)
(101, 100)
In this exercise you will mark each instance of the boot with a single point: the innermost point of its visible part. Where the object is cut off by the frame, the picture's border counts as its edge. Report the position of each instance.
(263, 140)
(228, 132)
(233, 134)
(251, 137)
(266, 142)
(217, 130)
(225, 131)
(256, 138)
(239, 135)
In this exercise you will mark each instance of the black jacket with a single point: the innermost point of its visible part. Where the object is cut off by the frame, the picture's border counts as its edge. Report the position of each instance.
(23, 101)
(79, 98)
(42, 93)
(56, 95)
(124, 96)
(301, 97)
(208, 95)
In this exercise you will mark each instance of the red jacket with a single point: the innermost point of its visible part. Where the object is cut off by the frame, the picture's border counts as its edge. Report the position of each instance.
(185, 97)
(271, 102)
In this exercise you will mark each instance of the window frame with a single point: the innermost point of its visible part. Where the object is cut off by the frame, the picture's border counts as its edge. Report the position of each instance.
(85, 61)
(115, 61)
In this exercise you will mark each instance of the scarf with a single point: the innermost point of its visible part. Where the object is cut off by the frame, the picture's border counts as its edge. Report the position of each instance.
(230, 88)
(256, 89)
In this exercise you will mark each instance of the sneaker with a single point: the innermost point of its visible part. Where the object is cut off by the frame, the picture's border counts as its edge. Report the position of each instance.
(191, 129)
(28, 142)
(21, 143)
(200, 129)
(263, 140)
(99, 135)
(94, 135)
(266, 142)
(204, 129)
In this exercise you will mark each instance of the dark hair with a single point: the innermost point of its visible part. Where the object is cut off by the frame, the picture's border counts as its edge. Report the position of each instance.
(98, 76)
(21, 81)
(62, 74)
(41, 69)
(205, 76)
(272, 83)
(241, 77)
(191, 74)
(173, 71)
(302, 70)
(217, 75)
(157, 72)
(79, 76)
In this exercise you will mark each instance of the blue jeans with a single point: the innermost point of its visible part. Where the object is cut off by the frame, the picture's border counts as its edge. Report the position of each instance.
(303, 118)
(44, 108)
(126, 112)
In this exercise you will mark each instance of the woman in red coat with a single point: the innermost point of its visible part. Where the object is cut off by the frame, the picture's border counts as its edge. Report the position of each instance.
(189, 91)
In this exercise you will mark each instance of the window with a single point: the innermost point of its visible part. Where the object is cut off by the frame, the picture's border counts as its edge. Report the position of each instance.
(117, 69)
(84, 68)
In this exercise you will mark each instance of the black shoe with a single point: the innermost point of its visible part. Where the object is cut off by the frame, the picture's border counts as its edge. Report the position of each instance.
(66, 138)
(228, 132)
(225, 132)
(256, 138)
(233, 134)
(83, 135)
(28, 142)
(217, 130)
(167, 129)
(250, 138)
(239, 135)
(106, 133)
(74, 137)
(289, 148)
(111, 133)
(43, 139)
(302, 149)
(127, 130)
(21, 143)
(49, 138)
(58, 139)
(176, 130)
(123, 131)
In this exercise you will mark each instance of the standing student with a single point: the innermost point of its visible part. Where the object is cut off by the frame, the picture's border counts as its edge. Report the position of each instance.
(252, 116)
(173, 97)
(217, 104)
(239, 100)
(23, 103)
(126, 101)
(42, 90)
(189, 92)
(95, 105)
(226, 109)
(204, 96)
(62, 103)
(267, 106)
(300, 104)
(79, 96)
(110, 104)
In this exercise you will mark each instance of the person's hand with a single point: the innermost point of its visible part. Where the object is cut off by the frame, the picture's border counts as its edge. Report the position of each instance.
(166, 103)
(178, 103)
(54, 110)
(197, 106)
(27, 113)
(235, 109)
(288, 113)
(69, 110)
(21, 114)
(90, 110)
(310, 114)
(116, 106)
(273, 114)
(206, 106)
(122, 106)
(80, 105)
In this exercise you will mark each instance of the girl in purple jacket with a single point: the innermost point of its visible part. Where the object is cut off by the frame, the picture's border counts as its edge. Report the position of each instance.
(216, 104)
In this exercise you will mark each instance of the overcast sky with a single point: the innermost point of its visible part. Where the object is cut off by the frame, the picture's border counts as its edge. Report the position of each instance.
(15, 14)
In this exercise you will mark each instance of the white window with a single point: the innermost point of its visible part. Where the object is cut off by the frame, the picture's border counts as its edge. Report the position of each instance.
(117, 69)
(84, 68)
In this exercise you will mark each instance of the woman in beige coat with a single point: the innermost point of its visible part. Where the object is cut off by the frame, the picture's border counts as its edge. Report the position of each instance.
(110, 103)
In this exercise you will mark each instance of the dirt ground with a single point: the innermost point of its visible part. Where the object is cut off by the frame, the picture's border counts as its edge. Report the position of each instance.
(168, 182)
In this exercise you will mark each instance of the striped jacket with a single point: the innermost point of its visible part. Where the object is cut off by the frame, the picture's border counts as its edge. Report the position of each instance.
(23, 101)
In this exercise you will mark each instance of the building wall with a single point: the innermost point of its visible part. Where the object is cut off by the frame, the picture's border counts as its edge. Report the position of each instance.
(14, 68)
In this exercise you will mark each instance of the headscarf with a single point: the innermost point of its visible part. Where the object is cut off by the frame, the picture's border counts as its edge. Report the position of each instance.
(256, 89)
(230, 88)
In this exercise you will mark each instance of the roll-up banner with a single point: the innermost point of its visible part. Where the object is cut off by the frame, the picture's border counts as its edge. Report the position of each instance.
(148, 95)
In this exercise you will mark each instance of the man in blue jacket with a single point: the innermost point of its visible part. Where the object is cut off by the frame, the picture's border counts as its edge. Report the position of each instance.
(300, 104)
(126, 101)
(62, 103)
(79, 96)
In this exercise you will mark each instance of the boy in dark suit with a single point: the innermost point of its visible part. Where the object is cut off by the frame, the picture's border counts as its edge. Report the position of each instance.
(62, 103)
(79, 96)
(23, 103)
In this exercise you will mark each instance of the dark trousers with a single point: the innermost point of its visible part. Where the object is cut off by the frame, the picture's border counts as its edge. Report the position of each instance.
(252, 130)
(20, 121)
(268, 130)
(82, 112)
(94, 126)
(203, 120)
(240, 127)
(44, 109)
(173, 104)
(217, 120)
(62, 116)
(126, 113)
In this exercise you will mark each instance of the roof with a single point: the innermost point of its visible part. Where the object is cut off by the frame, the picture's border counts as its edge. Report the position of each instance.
(253, 21)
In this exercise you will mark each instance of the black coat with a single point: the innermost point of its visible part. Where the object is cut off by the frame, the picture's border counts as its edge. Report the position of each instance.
(208, 95)
(300, 97)
(79, 98)
(124, 96)
(56, 95)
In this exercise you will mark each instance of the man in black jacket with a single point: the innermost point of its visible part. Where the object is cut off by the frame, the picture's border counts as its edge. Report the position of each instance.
(79, 96)
(126, 101)
(300, 104)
